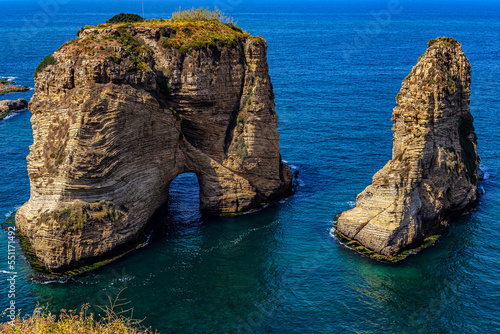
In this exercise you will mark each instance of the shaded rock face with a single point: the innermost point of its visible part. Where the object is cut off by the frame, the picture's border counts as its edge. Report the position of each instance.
(121, 114)
(434, 169)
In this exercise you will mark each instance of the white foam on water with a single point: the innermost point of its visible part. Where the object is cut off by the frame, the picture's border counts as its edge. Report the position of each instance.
(351, 204)
(484, 171)
(52, 280)
(8, 214)
(5, 272)
(11, 115)
(481, 190)
(332, 232)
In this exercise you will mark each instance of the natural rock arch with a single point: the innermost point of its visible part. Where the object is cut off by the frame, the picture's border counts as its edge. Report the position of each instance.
(121, 113)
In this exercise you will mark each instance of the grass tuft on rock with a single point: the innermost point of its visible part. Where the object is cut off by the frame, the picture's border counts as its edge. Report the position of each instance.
(442, 40)
(202, 14)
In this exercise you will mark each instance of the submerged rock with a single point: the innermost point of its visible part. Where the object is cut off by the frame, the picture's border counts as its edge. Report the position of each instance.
(434, 169)
(122, 110)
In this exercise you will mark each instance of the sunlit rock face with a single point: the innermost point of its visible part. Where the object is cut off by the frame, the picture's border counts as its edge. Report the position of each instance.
(434, 169)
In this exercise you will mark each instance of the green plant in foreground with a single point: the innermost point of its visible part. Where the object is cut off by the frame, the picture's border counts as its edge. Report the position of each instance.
(125, 18)
(117, 318)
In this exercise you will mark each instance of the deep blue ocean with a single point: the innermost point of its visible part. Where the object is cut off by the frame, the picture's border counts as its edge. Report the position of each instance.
(336, 67)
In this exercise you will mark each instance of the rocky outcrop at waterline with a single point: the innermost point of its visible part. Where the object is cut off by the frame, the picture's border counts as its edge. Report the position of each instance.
(434, 169)
(9, 106)
(9, 86)
(122, 110)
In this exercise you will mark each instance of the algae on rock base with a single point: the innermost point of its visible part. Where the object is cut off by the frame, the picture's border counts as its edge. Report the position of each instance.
(359, 248)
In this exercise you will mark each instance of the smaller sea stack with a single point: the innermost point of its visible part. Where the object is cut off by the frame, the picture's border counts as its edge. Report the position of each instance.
(434, 169)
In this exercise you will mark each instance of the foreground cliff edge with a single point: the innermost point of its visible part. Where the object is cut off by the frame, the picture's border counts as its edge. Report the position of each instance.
(122, 110)
(434, 169)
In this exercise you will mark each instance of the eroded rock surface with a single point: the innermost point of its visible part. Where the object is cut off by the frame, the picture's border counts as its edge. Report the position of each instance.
(124, 110)
(434, 169)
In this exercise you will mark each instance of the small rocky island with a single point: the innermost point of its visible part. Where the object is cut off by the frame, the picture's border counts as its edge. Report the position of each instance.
(9, 86)
(434, 169)
(8, 106)
(122, 110)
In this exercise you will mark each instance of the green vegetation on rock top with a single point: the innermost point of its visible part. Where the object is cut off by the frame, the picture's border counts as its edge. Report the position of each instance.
(194, 35)
(186, 31)
(442, 40)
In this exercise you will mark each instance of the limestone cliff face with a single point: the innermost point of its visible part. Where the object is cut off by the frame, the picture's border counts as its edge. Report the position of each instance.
(124, 110)
(434, 169)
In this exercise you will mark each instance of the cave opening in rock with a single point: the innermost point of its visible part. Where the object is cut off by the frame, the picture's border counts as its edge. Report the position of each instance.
(180, 216)
(184, 198)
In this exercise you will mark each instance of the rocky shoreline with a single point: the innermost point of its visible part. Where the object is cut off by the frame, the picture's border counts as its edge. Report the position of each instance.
(8, 86)
(357, 247)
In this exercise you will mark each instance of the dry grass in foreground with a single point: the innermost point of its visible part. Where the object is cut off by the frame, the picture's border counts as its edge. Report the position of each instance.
(43, 321)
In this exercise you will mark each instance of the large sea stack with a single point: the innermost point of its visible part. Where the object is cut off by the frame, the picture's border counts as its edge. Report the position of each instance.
(434, 169)
(122, 110)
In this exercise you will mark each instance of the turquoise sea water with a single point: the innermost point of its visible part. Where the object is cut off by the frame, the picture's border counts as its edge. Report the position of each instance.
(336, 67)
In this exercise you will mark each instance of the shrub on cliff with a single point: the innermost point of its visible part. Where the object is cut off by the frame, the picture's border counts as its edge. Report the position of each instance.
(125, 18)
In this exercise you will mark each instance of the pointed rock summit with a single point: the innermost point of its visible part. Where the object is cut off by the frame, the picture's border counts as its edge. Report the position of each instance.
(434, 169)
